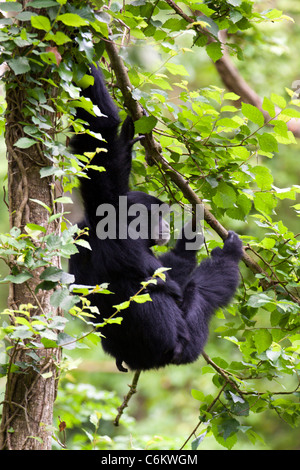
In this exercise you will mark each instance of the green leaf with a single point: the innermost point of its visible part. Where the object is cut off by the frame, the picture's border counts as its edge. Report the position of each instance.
(48, 57)
(196, 442)
(214, 51)
(19, 65)
(10, 6)
(71, 19)
(160, 272)
(59, 38)
(83, 243)
(225, 197)
(66, 341)
(95, 418)
(58, 323)
(235, 3)
(244, 204)
(291, 113)
(269, 107)
(67, 278)
(122, 306)
(41, 203)
(264, 202)
(228, 123)
(174, 24)
(267, 142)
(273, 355)
(231, 96)
(41, 22)
(51, 274)
(268, 243)
(253, 114)
(236, 398)
(240, 152)
(278, 100)
(48, 171)
(46, 375)
(69, 249)
(145, 124)
(198, 395)
(18, 278)
(263, 177)
(47, 333)
(263, 340)
(22, 332)
(24, 16)
(25, 143)
(258, 300)
(45, 285)
(225, 432)
(86, 81)
(176, 69)
(87, 105)
(42, 4)
(36, 227)
(22, 321)
(240, 409)
(242, 207)
(64, 200)
(229, 427)
(86, 45)
(142, 298)
(59, 296)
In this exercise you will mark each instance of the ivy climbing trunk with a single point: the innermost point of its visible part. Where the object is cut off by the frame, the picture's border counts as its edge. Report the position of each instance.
(30, 392)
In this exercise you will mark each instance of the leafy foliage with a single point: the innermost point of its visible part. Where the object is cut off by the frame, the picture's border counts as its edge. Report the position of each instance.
(220, 148)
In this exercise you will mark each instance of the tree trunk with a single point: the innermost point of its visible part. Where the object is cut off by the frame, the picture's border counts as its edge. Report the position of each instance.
(30, 393)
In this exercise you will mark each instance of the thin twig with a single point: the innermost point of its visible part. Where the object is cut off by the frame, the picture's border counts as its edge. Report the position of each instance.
(132, 391)
(193, 433)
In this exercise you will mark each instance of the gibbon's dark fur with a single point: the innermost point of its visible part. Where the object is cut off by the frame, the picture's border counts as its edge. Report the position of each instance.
(173, 327)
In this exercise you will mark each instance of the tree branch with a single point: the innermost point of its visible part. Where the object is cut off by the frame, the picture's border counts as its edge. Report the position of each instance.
(233, 81)
(230, 75)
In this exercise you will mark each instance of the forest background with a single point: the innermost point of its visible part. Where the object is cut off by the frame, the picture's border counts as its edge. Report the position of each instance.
(245, 388)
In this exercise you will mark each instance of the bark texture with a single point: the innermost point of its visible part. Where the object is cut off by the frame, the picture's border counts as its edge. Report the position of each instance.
(28, 403)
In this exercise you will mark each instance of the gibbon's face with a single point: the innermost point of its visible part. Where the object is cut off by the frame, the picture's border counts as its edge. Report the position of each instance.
(148, 218)
(161, 232)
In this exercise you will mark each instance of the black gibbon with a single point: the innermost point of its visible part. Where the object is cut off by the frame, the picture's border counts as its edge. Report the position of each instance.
(172, 328)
